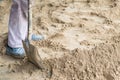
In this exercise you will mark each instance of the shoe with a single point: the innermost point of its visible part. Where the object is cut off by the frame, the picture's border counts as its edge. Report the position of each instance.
(20, 52)
(37, 37)
(15, 52)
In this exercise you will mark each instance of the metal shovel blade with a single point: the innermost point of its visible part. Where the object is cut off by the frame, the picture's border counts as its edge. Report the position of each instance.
(34, 57)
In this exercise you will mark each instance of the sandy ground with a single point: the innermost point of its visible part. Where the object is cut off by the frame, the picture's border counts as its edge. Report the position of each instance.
(83, 40)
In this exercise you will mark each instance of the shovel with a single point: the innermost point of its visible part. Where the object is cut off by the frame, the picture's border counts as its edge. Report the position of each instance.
(31, 50)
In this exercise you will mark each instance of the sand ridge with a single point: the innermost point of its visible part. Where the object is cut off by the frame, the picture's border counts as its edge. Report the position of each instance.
(82, 41)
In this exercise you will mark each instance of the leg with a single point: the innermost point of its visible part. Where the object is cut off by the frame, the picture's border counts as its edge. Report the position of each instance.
(18, 23)
(18, 29)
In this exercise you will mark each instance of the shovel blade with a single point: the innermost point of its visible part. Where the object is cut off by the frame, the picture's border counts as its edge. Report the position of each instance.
(34, 57)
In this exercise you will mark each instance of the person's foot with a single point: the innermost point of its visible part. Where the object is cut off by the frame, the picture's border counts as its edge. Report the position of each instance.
(37, 37)
(20, 52)
(15, 52)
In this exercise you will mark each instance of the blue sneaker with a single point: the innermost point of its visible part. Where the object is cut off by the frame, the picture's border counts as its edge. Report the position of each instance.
(37, 37)
(20, 52)
(15, 52)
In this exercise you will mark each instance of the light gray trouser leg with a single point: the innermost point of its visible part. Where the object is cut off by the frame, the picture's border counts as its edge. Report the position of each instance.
(18, 23)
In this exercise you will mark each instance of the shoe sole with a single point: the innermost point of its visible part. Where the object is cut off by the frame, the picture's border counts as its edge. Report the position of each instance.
(15, 56)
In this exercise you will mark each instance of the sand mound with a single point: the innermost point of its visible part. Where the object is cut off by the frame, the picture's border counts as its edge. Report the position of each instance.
(83, 41)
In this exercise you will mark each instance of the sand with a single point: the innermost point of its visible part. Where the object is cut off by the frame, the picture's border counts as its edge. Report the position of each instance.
(82, 41)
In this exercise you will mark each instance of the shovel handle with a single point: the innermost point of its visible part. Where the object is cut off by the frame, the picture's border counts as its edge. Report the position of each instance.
(29, 19)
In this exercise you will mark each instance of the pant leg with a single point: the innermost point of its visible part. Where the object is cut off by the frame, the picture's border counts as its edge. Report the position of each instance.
(18, 23)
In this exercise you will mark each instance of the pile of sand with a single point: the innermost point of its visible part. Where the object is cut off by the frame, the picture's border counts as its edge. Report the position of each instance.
(83, 41)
